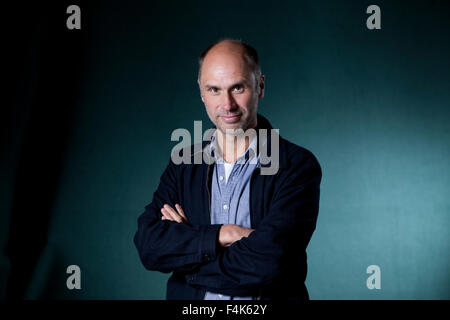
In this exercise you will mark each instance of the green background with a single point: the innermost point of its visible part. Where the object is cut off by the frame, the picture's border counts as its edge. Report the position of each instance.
(373, 106)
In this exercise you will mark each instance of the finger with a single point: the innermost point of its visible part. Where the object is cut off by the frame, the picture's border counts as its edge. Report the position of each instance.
(166, 215)
(175, 216)
(181, 212)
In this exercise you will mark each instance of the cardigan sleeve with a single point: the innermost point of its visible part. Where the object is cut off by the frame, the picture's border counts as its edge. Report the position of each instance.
(285, 231)
(165, 245)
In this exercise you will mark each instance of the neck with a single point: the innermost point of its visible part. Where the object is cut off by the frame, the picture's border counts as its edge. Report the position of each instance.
(234, 146)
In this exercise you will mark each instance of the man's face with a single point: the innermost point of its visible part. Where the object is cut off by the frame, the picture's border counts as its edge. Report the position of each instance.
(230, 90)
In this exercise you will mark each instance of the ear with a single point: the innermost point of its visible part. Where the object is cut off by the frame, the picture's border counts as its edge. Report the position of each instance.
(261, 87)
(200, 88)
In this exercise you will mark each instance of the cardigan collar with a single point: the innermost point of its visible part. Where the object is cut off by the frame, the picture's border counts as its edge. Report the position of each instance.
(267, 139)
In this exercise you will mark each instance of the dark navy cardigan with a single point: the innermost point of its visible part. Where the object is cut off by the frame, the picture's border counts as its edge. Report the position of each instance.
(270, 263)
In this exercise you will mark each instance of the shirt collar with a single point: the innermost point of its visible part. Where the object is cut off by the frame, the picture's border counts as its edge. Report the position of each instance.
(251, 152)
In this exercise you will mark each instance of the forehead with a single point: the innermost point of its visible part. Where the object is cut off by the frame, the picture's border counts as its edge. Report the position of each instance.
(225, 66)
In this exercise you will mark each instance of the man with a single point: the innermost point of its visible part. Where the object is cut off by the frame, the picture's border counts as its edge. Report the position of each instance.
(225, 229)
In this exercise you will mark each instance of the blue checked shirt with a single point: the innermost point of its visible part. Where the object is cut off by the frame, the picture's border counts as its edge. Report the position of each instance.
(230, 196)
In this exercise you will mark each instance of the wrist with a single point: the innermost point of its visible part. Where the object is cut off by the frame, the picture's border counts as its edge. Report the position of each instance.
(226, 235)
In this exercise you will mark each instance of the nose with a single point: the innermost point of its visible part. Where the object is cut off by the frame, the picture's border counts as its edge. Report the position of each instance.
(228, 102)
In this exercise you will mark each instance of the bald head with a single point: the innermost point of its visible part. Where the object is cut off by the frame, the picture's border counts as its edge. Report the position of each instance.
(235, 49)
(231, 84)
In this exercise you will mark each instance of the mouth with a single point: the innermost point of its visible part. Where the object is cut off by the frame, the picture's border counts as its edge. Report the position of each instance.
(231, 119)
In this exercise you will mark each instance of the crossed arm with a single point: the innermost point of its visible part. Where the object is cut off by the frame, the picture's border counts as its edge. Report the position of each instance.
(228, 258)
(228, 233)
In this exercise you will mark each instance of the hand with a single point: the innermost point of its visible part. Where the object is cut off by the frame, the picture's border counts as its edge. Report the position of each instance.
(229, 233)
(170, 214)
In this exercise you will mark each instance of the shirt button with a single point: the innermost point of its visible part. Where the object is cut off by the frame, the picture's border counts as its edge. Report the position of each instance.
(221, 178)
(225, 207)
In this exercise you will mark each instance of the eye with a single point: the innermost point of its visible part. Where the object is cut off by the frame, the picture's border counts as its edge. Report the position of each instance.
(213, 90)
(238, 88)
